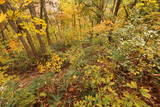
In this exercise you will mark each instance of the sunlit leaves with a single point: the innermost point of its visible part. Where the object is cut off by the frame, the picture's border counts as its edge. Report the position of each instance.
(4, 78)
(148, 5)
(132, 84)
(35, 25)
(54, 65)
(40, 22)
(14, 46)
(2, 17)
(145, 92)
(2, 1)
(127, 2)
(140, 4)
(68, 9)
(105, 26)
(20, 3)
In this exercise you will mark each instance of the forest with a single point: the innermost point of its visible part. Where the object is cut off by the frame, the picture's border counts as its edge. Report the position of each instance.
(79, 53)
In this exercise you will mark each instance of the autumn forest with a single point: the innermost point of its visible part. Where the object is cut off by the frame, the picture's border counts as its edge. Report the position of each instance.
(79, 53)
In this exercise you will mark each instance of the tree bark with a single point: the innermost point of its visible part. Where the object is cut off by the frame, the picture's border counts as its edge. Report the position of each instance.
(32, 10)
(126, 11)
(42, 45)
(3, 35)
(133, 4)
(112, 9)
(47, 22)
(15, 27)
(26, 46)
(39, 37)
(44, 15)
(30, 41)
(158, 1)
(117, 7)
(29, 38)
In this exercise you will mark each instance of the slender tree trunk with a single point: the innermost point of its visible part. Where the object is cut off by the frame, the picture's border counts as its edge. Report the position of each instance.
(47, 22)
(80, 26)
(26, 46)
(126, 11)
(2, 29)
(134, 4)
(24, 43)
(42, 45)
(14, 26)
(3, 35)
(4, 39)
(112, 9)
(158, 1)
(74, 20)
(30, 41)
(39, 37)
(117, 7)
(29, 38)
(32, 10)
(41, 8)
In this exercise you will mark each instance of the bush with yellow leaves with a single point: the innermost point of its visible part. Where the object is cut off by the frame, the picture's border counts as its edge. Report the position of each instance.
(107, 87)
(94, 76)
(4, 78)
(111, 100)
(54, 65)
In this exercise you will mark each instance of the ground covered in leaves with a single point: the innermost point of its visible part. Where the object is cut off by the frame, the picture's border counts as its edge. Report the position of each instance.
(86, 55)
(88, 73)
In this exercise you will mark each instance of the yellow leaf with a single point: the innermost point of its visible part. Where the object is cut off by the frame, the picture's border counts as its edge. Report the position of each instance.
(42, 94)
(132, 84)
(13, 45)
(2, 1)
(139, 5)
(2, 17)
(145, 92)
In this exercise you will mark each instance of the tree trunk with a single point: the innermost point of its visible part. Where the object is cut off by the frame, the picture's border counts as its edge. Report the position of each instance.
(158, 1)
(30, 41)
(112, 9)
(24, 43)
(26, 46)
(3, 35)
(41, 8)
(14, 26)
(32, 10)
(47, 22)
(117, 7)
(134, 4)
(126, 11)
(39, 37)
(42, 45)
(29, 38)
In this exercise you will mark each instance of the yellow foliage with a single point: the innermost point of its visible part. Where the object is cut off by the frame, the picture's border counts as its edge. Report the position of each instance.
(14, 45)
(32, 26)
(145, 92)
(2, 17)
(103, 27)
(4, 78)
(132, 84)
(51, 66)
(68, 8)
(148, 4)
(13, 15)
(2, 1)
